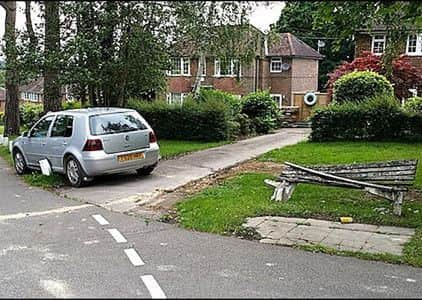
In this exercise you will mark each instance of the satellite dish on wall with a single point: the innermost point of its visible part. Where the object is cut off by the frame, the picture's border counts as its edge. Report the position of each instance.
(285, 66)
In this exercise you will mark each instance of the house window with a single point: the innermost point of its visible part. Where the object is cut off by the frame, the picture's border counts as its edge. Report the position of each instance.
(278, 98)
(378, 44)
(179, 66)
(176, 98)
(229, 67)
(414, 44)
(275, 65)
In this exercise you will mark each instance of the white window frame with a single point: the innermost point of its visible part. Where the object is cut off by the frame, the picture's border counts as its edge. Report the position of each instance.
(182, 61)
(169, 97)
(418, 50)
(280, 99)
(277, 60)
(378, 40)
(217, 69)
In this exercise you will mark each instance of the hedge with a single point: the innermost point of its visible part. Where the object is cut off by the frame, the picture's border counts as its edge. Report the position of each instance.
(209, 120)
(361, 85)
(413, 104)
(375, 121)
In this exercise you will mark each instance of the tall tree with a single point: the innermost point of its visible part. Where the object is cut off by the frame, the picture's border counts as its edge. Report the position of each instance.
(220, 29)
(298, 17)
(52, 99)
(12, 101)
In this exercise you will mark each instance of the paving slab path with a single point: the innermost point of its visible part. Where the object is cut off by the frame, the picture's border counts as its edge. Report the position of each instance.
(125, 192)
(345, 237)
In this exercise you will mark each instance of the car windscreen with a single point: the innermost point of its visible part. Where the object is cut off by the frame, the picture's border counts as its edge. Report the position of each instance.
(115, 123)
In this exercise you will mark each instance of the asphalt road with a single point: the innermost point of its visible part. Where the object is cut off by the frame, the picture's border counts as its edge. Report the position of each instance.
(54, 247)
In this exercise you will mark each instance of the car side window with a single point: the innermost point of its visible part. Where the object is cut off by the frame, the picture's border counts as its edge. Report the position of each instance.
(62, 127)
(41, 129)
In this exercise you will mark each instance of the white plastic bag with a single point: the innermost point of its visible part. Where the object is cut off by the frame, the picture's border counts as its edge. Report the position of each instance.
(45, 167)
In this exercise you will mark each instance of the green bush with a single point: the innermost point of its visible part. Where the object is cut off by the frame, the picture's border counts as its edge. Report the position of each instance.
(29, 114)
(377, 119)
(208, 120)
(413, 104)
(360, 85)
(262, 111)
(1, 118)
(71, 105)
(234, 103)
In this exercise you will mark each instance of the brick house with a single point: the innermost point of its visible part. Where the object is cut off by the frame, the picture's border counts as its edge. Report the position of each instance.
(32, 92)
(375, 41)
(284, 65)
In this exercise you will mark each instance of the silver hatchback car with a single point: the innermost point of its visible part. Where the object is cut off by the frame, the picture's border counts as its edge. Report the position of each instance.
(84, 143)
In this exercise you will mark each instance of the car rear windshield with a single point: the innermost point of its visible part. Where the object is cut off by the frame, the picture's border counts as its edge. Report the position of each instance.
(115, 123)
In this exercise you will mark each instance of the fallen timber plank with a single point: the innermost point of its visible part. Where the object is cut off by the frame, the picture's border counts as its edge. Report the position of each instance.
(341, 179)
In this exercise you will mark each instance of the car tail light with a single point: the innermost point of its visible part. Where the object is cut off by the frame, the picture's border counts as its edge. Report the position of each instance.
(93, 145)
(152, 137)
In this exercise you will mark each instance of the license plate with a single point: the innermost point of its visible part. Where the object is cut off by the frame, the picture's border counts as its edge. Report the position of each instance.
(132, 156)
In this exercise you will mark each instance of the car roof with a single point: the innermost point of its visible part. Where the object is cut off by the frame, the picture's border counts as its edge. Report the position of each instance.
(92, 111)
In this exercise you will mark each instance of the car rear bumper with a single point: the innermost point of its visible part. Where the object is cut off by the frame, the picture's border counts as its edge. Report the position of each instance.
(100, 163)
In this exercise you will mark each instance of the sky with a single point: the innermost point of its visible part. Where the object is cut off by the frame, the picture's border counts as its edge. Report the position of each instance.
(261, 17)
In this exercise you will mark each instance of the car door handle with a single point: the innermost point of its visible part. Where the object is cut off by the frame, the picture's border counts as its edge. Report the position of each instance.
(64, 144)
(43, 144)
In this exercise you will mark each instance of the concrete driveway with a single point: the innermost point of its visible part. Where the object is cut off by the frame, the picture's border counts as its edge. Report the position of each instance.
(124, 192)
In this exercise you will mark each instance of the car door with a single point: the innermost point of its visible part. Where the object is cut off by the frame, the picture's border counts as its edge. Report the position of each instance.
(60, 138)
(36, 148)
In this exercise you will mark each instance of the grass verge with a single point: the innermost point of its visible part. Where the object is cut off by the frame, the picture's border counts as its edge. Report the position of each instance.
(172, 148)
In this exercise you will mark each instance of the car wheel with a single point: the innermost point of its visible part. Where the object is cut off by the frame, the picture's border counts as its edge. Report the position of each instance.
(146, 170)
(20, 164)
(74, 172)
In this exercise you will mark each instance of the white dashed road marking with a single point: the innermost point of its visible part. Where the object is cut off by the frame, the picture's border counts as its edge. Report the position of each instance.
(41, 213)
(134, 257)
(100, 219)
(117, 235)
(154, 289)
(57, 288)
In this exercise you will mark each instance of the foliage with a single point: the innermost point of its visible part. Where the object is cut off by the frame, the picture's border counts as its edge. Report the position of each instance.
(413, 104)
(1, 118)
(262, 111)
(404, 75)
(234, 103)
(360, 85)
(30, 113)
(297, 17)
(375, 119)
(2, 78)
(208, 120)
(347, 17)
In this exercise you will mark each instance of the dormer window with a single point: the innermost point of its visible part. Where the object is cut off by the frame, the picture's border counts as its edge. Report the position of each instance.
(378, 44)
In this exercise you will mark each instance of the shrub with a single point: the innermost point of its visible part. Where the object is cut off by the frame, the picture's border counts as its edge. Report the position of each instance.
(360, 85)
(71, 105)
(234, 103)
(413, 104)
(404, 76)
(378, 119)
(262, 111)
(207, 120)
(1, 118)
(30, 113)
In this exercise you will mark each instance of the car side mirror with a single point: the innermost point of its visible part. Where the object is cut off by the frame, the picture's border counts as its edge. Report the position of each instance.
(25, 134)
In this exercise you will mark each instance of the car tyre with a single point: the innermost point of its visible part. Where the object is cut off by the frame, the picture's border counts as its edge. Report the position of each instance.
(146, 170)
(74, 173)
(20, 164)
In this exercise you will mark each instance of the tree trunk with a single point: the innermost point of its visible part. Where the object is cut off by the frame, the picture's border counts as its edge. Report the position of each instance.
(52, 99)
(29, 27)
(12, 101)
(197, 83)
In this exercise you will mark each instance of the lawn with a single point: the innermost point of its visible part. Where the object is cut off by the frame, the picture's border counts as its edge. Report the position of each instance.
(222, 209)
(172, 148)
